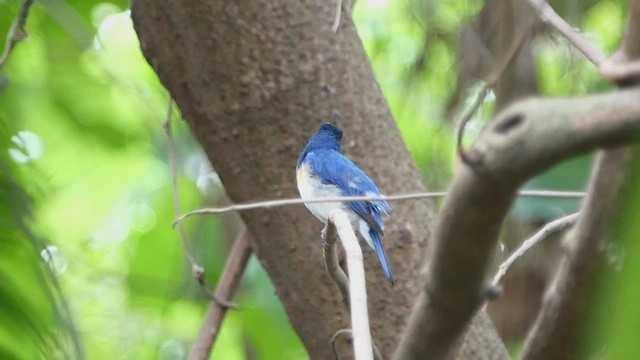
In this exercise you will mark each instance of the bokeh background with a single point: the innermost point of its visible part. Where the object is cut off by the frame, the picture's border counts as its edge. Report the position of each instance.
(89, 262)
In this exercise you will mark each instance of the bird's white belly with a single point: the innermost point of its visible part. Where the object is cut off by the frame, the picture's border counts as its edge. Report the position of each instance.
(311, 188)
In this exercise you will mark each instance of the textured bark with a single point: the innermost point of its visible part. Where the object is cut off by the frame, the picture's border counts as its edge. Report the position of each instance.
(254, 79)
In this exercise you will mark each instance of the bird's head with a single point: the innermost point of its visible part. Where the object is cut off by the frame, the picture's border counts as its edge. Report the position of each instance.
(328, 136)
(331, 130)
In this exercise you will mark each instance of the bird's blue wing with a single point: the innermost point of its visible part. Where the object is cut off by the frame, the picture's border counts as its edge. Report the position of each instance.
(334, 168)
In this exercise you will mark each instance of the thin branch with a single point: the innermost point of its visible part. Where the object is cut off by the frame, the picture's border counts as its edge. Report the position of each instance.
(227, 286)
(338, 15)
(462, 124)
(413, 196)
(17, 31)
(197, 271)
(334, 341)
(548, 229)
(548, 15)
(329, 249)
(362, 344)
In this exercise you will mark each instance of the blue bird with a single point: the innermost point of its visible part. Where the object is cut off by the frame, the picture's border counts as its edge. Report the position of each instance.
(323, 171)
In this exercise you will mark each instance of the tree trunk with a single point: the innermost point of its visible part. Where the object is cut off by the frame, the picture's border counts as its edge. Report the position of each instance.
(254, 79)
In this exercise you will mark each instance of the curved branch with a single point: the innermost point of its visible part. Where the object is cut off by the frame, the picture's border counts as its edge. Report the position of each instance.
(526, 138)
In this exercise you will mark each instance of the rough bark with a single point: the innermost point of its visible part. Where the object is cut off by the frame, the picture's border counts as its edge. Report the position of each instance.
(254, 79)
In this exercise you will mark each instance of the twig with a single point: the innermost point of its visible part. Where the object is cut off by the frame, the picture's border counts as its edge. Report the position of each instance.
(334, 346)
(362, 344)
(413, 196)
(227, 286)
(197, 271)
(16, 32)
(329, 249)
(336, 19)
(466, 157)
(334, 339)
(471, 159)
(548, 229)
(547, 14)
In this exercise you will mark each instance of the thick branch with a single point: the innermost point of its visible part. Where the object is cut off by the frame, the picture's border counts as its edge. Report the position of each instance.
(523, 140)
(227, 286)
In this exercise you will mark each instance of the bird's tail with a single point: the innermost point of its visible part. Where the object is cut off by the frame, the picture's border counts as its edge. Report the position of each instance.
(377, 245)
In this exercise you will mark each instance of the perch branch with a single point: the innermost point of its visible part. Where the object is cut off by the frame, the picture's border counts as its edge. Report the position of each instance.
(16, 32)
(227, 286)
(523, 140)
(362, 344)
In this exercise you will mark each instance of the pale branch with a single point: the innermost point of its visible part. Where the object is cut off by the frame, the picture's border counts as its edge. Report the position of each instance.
(412, 196)
(226, 288)
(523, 140)
(559, 329)
(332, 264)
(362, 344)
(548, 229)
(16, 32)
(338, 15)
(548, 15)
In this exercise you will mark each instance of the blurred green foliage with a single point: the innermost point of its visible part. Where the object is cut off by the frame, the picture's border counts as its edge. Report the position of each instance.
(614, 324)
(84, 173)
